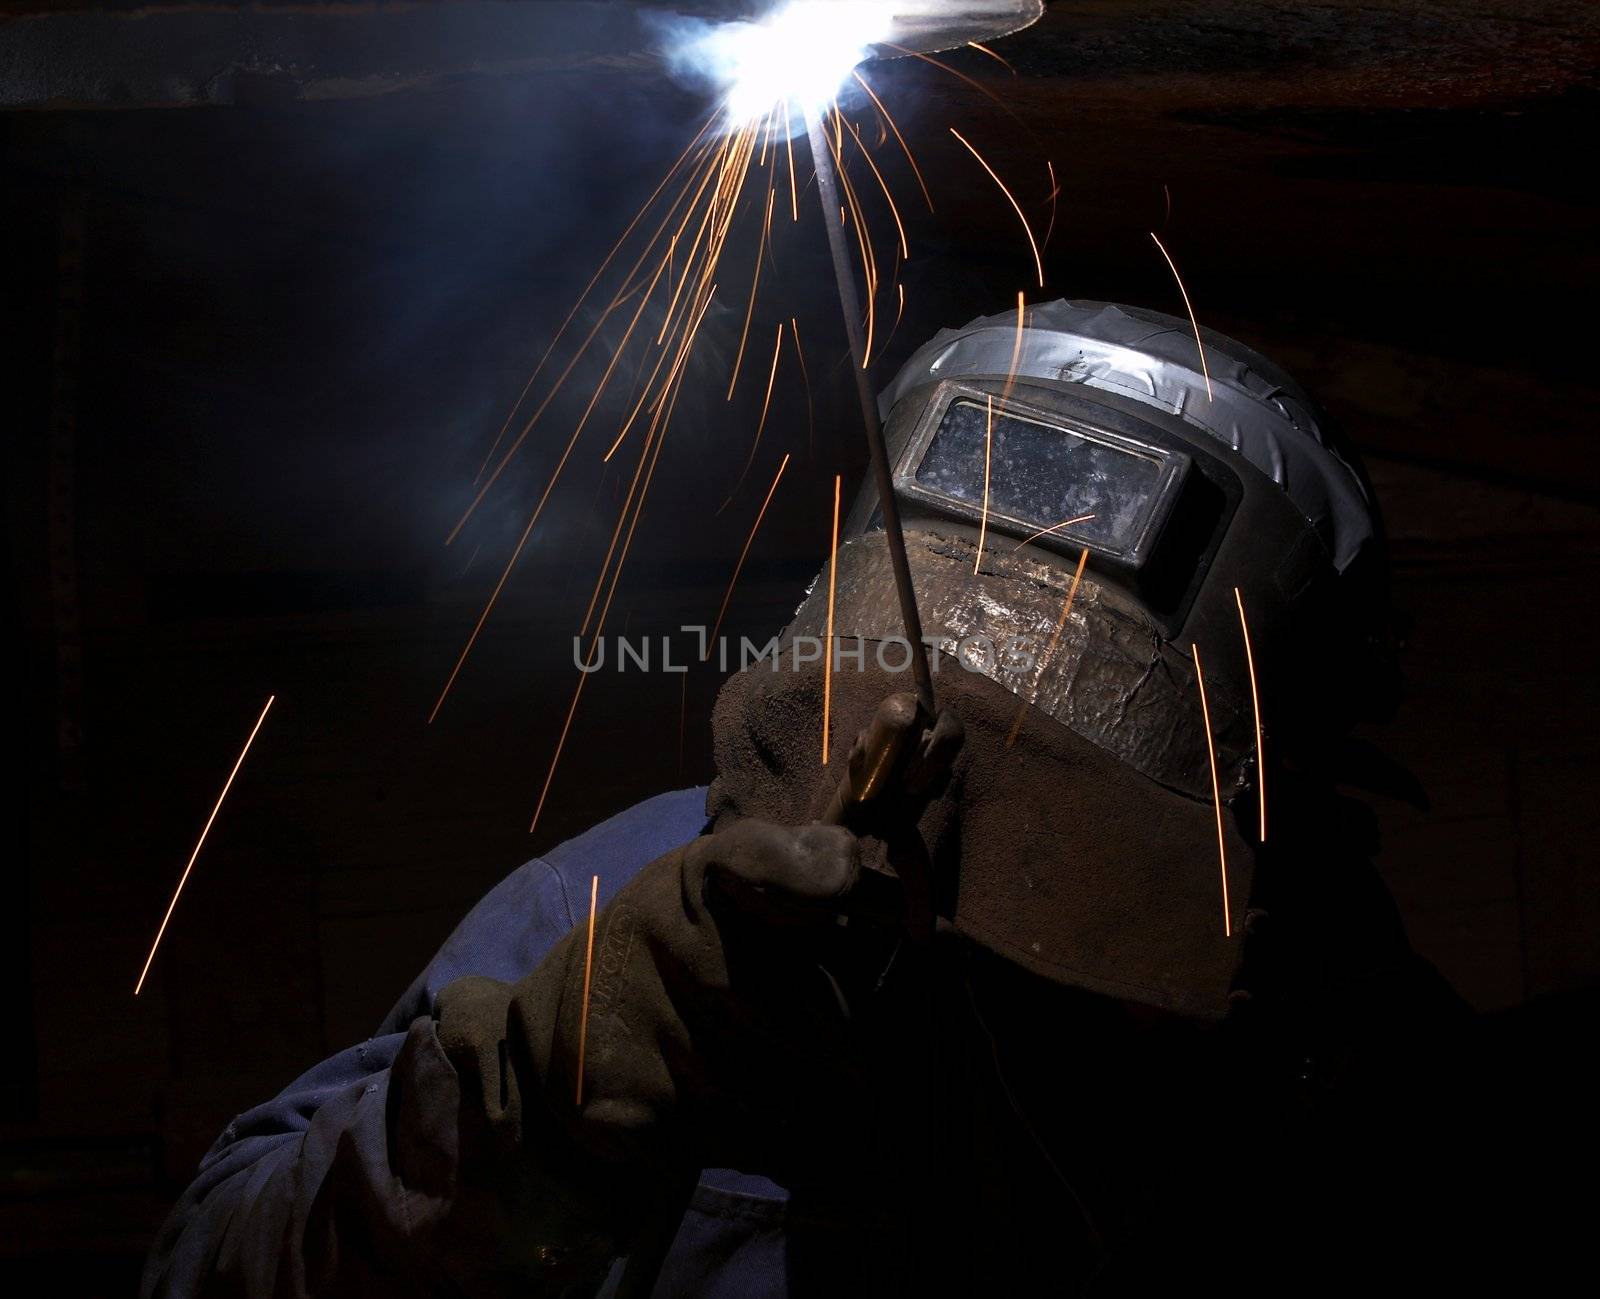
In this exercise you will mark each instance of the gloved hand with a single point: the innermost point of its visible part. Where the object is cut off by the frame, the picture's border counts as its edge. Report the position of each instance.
(719, 1014)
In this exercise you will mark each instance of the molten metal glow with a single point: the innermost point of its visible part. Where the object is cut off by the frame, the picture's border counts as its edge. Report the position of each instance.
(799, 55)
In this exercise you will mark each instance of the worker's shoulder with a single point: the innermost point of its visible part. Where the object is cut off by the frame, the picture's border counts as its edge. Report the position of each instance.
(618, 847)
(522, 917)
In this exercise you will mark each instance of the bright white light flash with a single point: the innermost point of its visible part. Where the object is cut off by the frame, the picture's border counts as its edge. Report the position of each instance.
(800, 54)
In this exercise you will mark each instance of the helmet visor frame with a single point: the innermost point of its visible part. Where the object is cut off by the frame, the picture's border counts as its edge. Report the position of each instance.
(1162, 562)
(1000, 463)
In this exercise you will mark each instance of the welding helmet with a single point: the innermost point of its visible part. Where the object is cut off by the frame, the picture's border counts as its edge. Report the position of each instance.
(1093, 510)
(1208, 494)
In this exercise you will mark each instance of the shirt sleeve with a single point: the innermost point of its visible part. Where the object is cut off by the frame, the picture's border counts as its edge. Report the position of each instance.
(339, 1184)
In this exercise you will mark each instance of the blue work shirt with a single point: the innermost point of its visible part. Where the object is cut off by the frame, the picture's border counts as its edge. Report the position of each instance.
(238, 1226)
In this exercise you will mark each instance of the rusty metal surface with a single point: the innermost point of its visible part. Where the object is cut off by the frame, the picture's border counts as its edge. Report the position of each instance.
(1110, 678)
(63, 53)
(182, 55)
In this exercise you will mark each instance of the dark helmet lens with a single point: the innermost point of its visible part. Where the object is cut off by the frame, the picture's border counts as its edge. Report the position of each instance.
(1044, 476)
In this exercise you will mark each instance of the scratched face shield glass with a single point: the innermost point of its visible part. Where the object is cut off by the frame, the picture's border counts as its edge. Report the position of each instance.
(1042, 478)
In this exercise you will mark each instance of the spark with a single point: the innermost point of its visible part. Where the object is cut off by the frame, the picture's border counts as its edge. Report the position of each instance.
(583, 347)
(616, 531)
(1065, 523)
(1216, 792)
(1055, 195)
(767, 240)
(1255, 703)
(767, 127)
(1187, 306)
(616, 356)
(184, 878)
(588, 973)
(904, 147)
(661, 422)
(976, 85)
(788, 143)
(706, 223)
(905, 248)
(899, 313)
(945, 67)
(680, 265)
(684, 350)
(528, 427)
(984, 49)
(772, 374)
(766, 405)
(805, 379)
(1038, 262)
(644, 398)
(1055, 638)
(755, 281)
(533, 519)
(1016, 348)
(827, 663)
(737, 568)
(869, 261)
(656, 422)
(589, 288)
(988, 442)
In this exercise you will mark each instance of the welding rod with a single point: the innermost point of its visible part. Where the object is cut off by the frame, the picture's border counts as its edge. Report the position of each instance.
(850, 302)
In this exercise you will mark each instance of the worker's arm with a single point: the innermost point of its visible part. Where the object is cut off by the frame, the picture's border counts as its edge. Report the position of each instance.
(453, 1156)
(345, 1173)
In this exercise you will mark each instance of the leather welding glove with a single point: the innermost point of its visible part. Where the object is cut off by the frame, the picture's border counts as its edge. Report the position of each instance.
(714, 1021)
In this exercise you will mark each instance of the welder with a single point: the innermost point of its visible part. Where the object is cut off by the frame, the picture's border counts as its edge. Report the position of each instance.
(1108, 999)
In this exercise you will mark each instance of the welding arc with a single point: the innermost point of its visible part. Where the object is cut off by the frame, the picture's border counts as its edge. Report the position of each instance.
(850, 305)
(194, 856)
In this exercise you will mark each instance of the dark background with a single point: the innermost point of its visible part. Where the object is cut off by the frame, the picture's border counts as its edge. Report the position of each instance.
(254, 355)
